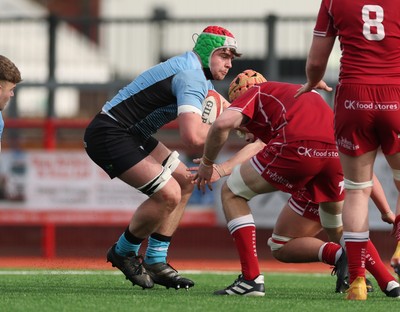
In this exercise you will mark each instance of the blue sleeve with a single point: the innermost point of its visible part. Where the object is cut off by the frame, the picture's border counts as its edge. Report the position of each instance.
(1, 125)
(190, 88)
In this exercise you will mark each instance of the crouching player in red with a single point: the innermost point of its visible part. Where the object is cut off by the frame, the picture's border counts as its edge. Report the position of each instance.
(297, 155)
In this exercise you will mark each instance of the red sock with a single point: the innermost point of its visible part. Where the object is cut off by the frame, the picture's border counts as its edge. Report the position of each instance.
(329, 253)
(396, 228)
(376, 267)
(245, 240)
(356, 252)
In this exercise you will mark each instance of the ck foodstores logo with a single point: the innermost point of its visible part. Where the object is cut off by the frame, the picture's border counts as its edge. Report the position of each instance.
(358, 105)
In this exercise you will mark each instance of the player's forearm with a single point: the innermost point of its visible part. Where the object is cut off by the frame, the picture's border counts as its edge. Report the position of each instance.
(317, 59)
(214, 143)
(379, 198)
(315, 73)
(240, 157)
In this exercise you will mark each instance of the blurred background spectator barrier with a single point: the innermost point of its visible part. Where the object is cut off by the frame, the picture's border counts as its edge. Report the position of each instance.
(70, 67)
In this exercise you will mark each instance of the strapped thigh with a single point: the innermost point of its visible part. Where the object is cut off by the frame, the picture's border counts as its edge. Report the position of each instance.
(169, 165)
(237, 186)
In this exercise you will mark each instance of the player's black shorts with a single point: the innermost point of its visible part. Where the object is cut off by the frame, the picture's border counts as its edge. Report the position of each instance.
(114, 148)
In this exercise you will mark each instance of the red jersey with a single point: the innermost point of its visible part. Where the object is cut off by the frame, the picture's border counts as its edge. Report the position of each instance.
(276, 115)
(369, 35)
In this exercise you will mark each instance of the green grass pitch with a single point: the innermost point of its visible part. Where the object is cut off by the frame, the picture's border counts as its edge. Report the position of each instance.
(96, 290)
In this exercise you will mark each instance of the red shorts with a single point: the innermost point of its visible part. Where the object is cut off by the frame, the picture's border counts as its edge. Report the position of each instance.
(304, 207)
(304, 166)
(366, 117)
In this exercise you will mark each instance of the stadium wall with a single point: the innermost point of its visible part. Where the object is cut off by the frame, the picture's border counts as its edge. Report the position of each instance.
(189, 242)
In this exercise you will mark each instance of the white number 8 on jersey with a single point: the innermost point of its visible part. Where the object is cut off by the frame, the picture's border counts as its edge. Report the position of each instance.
(372, 16)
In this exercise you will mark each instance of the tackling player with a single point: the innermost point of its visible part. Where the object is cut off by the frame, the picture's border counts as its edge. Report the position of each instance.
(289, 156)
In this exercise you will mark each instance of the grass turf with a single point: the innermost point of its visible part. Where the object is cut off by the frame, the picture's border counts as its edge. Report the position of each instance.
(63, 290)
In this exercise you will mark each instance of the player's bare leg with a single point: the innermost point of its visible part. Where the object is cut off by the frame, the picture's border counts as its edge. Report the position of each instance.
(244, 183)
(358, 173)
(156, 263)
(155, 260)
(394, 163)
(164, 196)
(147, 218)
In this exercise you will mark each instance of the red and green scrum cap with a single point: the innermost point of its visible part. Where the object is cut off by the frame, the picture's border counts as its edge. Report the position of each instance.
(211, 39)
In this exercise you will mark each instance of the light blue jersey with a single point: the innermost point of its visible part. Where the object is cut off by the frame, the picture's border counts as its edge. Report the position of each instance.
(1, 125)
(159, 94)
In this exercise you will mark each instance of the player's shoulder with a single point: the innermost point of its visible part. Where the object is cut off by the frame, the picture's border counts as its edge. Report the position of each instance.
(191, 77)
(187, 67)
(185, 61)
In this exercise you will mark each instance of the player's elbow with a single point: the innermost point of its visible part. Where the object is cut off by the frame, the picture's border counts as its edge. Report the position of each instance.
(192, 141)
(315, 66)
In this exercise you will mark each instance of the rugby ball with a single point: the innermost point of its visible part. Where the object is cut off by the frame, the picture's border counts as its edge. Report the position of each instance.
(212, 107)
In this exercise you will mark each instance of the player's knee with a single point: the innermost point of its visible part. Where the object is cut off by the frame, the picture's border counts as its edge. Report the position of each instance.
(279, 255)
(237, 185)
(187, 188)
(276, 243)
(169, 197)
(351, 185)
(170, 193)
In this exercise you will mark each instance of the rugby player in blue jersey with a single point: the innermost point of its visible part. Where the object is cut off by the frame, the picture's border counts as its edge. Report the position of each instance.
(120, 140)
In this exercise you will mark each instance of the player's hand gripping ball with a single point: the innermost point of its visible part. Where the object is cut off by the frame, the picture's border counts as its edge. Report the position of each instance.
(212, 107)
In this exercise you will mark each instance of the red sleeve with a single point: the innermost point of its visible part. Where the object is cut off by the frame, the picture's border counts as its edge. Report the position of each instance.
(324, 26)
(246, 103)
